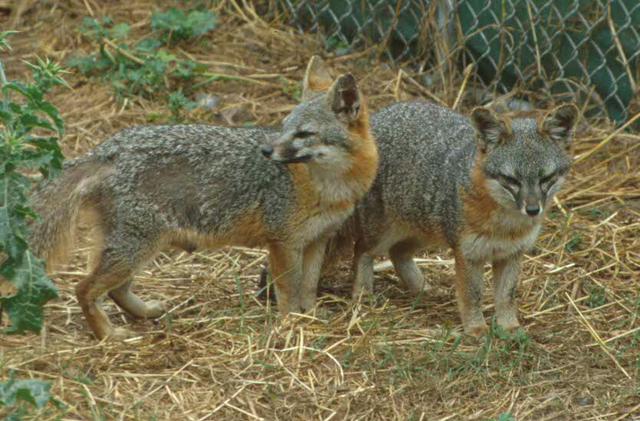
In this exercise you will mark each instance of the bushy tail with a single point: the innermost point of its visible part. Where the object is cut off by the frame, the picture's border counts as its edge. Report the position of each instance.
(58, 203)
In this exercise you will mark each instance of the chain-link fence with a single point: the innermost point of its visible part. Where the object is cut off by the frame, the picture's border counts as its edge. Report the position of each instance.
(574, 47)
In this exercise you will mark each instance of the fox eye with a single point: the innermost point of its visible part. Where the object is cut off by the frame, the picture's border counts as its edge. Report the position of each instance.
(548, 179)
(303, 134)
(507, 179)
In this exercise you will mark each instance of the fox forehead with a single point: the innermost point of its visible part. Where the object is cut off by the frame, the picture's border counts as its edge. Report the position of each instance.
(316, 116)
(527, 153)
(313, 113)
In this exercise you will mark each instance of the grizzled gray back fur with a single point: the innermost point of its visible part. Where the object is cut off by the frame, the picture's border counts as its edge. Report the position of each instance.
(159, 178)
(427, 154)
(419, 183)
(170, 177)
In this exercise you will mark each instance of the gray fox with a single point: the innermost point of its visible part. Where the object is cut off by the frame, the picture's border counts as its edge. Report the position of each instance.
(190, 186)
(479, 185)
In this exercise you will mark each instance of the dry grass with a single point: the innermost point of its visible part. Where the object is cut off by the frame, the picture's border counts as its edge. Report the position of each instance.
(221, 354)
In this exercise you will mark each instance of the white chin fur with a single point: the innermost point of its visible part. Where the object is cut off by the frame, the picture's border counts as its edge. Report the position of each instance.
(329, 156)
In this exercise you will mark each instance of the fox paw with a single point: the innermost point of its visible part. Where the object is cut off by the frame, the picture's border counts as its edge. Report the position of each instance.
(120, 334)
(420, 288)
(510, 326)
(364, 294)
(476, 330)
(155, 309)
(308, 302)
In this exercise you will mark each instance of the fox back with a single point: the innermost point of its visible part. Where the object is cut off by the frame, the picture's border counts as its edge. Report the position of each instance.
(445, 172)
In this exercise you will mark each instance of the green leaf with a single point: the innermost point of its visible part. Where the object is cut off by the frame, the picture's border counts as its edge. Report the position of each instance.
(165, 56)
(505, 416)
(201, 22)
(93, 29)
(120, 31)
(175, 25)
(50, 110)
(6, 116)
(23, 108)
(168, 22)
(573, 244)
(46, 74)
(4, 45)
(85, 64)
(12, 228)
(178, 102)
(35, 392)
(148, 45)
(157, 70)
(48, 162)
(32, 120)
(11, 241)
(29, 92)
(34, 290)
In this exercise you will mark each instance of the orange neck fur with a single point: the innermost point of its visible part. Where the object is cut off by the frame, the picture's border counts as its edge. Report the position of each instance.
(365, 157)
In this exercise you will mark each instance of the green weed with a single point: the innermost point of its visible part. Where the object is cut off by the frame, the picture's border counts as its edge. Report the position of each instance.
(505, 416)
(573, 244)
(175, 25)
(17, 396)
(31, 128)
(597, 296)
(147, 68)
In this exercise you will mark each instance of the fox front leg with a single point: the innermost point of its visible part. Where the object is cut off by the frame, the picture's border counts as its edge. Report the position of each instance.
(469, 287)
(505, 277)
(312, 268)
(286, 271)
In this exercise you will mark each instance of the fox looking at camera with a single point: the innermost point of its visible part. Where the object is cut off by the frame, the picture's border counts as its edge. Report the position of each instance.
(479, 185)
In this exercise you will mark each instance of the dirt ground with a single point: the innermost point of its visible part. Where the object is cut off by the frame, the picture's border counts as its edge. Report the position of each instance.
(222, 354)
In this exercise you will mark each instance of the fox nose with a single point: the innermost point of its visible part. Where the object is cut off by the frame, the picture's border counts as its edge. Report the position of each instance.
(267, 150)
(532, 210)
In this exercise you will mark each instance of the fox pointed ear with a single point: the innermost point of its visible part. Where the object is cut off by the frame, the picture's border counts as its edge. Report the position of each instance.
(344, 98)
(317, 78)
(490, 128)
(559, 123)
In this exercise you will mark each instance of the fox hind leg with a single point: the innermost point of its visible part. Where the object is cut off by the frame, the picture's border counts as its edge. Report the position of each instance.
(401, 255)
(362, 272)
(120, 257)
(104, 278)
(134, 305)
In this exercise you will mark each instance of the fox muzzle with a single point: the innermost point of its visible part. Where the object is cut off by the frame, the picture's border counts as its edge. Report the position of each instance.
(285, 150)
(532, 203)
